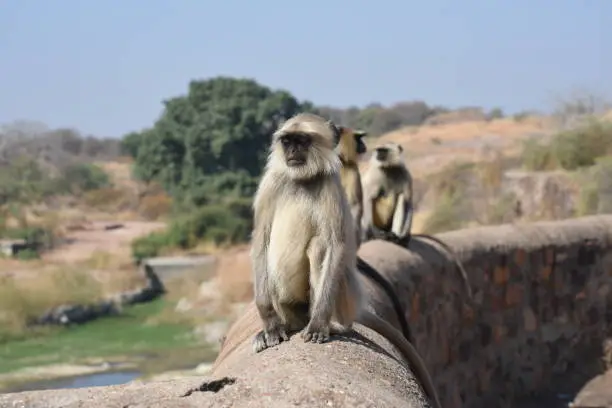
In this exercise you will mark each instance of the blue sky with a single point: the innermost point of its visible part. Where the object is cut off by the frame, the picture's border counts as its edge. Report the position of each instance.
(105, 66)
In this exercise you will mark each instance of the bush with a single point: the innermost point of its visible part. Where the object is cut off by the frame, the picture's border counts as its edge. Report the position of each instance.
(106, 198)
(446, 215)
(27, 254)
(537, 156)
(226, 223)
(82, 177)
(580, 147)
(596, 191)
(148, 246)
(152, 207)
(571, 149)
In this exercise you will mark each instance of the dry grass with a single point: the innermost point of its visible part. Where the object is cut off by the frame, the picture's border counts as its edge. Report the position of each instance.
(430, 148)
(33, 287)
(23, 299)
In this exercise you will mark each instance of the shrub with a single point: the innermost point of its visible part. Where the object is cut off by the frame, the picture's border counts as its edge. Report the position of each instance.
(580, 147)
(152, 207)
(106, 198)
(446, 215)
(27, 254)
(226, 223)
(148, 246)
(81, 177)
(537, 156)
(596, 192)
(571, 149)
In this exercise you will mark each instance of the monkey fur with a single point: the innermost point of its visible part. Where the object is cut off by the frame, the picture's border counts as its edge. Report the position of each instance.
(349, 148)
(388, 205)
(303, 246)
(387, 190)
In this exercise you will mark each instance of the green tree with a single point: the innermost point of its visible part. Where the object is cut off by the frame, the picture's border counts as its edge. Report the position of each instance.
(213, 141)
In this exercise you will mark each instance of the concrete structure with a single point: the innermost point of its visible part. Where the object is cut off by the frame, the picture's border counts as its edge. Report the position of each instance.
(541, 311)
(172, 266)
(12, 247)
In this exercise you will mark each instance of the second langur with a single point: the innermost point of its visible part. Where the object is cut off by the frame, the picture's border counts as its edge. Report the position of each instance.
(303, 247)
(350, 147)
(387, 190)
(388, 203)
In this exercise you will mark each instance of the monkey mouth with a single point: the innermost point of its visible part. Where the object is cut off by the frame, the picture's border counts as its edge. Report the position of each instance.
(295, 162)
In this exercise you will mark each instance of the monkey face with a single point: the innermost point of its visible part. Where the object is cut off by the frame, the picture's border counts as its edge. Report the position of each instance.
(295, 148)
(361, 147)
(381, 153)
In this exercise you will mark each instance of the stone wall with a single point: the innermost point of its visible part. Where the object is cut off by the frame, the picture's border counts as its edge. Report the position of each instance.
(541, 307)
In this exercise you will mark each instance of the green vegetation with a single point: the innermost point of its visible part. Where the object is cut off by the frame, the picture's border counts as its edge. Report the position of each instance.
(571, 149)
(130, 334)
(208, 148)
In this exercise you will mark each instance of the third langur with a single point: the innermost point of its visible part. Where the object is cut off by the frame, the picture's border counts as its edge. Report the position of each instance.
(388, 203)
(303, 247)
(387, 190)
(350, 147)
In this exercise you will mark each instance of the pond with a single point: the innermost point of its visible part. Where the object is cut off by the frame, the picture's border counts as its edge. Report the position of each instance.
(89, 380)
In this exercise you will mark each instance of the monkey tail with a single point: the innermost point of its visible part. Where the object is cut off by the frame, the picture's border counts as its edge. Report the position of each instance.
(403, 242)
(466, 282)
(367, 270)
(409, 352)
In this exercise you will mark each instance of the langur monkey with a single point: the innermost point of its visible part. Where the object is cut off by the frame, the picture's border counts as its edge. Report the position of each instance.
(387, 186)
(350, 147)
(388, 203)
(303, 248)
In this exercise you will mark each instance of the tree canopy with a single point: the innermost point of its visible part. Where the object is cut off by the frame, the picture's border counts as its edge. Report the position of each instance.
(212, 142)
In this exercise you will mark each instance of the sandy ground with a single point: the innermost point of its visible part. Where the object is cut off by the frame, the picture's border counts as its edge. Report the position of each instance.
(429, 148)
(95, 238)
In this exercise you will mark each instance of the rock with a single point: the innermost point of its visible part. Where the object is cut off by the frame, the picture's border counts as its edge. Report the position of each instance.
(213, 332)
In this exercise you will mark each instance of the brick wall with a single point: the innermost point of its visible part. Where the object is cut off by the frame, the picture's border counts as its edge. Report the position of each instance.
(541, 307)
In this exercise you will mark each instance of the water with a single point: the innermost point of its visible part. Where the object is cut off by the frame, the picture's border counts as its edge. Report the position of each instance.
(89, 380)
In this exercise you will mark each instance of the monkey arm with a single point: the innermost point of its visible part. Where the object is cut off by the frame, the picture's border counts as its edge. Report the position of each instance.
(402, 218)
(262, 223)
(366, 219)
(332, 250)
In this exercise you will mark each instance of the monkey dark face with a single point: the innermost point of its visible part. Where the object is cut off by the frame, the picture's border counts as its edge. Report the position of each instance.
(295, 147)
(382, 153)
(361, 147)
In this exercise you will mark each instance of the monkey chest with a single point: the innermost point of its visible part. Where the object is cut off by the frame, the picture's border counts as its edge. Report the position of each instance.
(383, 209)
(350, 183)
(290, 234)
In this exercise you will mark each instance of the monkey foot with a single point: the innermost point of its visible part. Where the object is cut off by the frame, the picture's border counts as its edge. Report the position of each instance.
(316, 333)
(271, 338)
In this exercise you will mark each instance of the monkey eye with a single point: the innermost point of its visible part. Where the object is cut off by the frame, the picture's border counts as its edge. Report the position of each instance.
(285, 141)
(299, 139)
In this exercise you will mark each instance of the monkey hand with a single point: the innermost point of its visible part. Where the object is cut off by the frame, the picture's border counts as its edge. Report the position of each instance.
(269, 338)
(316, 332)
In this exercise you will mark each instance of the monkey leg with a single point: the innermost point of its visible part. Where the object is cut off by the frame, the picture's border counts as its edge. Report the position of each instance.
(274, 331)
(322, 290)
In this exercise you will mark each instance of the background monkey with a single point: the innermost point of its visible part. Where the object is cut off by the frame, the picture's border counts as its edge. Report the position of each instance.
(350, 147)
(303, 246)
(388, 203)
(387, 186)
